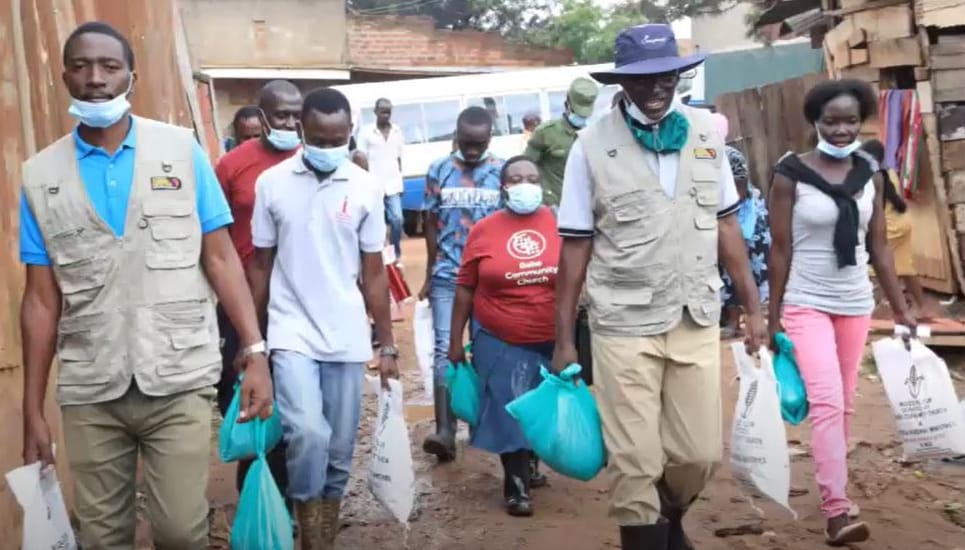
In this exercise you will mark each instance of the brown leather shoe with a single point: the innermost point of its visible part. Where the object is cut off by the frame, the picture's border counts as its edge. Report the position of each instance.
(311, 525)
(330, 522)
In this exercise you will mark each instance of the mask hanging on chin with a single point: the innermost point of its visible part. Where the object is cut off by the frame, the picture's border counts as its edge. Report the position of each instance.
(834, 151)
(101, 114)
(458, 154)
(283, 140)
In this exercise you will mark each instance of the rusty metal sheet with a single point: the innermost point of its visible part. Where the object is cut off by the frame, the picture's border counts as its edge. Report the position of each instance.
(33, 113)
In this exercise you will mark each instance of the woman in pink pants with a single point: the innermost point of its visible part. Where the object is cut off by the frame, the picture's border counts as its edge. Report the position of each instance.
(827, 216)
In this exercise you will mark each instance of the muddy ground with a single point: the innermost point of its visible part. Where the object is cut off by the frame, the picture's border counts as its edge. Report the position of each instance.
(458, 506)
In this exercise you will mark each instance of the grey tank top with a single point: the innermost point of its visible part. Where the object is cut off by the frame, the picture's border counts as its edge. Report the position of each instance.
(815, 280)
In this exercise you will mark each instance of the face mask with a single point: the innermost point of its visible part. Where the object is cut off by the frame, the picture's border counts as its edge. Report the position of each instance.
(524, 198)
(636, 113)
(101, 114)
(458, 154)
(834, 151)
(283, 140)
(576, 120)
(325, 160)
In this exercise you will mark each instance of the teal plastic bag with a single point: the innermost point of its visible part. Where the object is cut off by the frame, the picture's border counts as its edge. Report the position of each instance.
(790, 387)
(262, 521)
(560, 421)
(237, 441)
(463, 384)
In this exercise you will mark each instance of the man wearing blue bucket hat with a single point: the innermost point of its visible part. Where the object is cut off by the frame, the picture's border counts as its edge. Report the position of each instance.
(647, 206)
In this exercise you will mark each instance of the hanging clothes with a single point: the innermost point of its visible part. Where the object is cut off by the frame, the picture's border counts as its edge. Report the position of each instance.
(900, 130)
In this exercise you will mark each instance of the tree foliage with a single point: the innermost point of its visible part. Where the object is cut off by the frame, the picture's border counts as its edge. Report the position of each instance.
(585, 27)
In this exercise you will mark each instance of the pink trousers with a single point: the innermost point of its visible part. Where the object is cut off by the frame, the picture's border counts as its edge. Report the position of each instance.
(828, 349)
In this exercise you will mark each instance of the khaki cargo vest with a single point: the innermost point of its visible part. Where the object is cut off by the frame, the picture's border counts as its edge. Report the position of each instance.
(653, 256)
(137, 306)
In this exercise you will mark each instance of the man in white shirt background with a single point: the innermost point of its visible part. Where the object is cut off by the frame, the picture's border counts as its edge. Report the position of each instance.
(382, 143)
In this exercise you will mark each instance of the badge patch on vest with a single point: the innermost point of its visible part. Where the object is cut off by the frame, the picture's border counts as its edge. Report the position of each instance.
(165, 183)
(705, 153)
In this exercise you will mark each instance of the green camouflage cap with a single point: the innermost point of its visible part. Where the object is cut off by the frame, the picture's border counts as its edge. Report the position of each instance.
(581, 96)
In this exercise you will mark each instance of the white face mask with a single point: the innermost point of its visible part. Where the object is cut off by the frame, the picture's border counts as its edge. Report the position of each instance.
(834, 151)
(636, 113)
(101, 114)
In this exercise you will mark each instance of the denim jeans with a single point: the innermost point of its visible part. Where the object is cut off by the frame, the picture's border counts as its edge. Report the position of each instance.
(319, 404)
(442, 293)
(393, 217)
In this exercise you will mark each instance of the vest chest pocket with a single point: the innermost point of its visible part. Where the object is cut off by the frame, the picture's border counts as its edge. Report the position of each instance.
(79, 266)
(171, 226)
(631, 225)
(77, 345)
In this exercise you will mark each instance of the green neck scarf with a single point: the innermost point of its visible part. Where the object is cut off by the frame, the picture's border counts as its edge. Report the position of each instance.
(667, 136)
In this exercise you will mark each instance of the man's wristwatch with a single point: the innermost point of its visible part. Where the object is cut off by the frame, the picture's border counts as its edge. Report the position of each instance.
(389, 351)
(257, 347)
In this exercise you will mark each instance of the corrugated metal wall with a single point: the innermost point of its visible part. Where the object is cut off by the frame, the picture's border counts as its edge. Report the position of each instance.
(33, 114)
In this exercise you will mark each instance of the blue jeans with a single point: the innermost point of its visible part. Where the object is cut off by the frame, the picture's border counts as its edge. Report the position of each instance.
(442, 294)
(319, 405)
(393, 217)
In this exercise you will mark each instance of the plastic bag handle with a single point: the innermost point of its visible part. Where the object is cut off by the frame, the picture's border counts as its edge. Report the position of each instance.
(259, 436)
(565, 377)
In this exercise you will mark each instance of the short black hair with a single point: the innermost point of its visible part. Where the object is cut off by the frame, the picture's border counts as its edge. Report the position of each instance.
(874, 148)
(382, 100)
(475, 116)
(99, 27)
(503, 174)
(270, 92)
(327, 101)
(248, 111)
(819, 96)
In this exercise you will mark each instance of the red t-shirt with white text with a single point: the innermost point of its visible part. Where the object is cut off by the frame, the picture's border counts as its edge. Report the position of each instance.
(511, 261)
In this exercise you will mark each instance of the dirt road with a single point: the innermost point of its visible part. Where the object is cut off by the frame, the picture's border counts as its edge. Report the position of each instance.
(458, 505)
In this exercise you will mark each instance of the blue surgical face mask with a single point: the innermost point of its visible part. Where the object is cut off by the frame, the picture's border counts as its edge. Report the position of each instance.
(283, 140)
(325, 159)
(524, 198)
(834, 151)
(458, 154)
(101, 114)
(576, 120)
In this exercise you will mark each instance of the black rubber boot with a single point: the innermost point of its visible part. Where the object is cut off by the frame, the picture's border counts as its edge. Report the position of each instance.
(443, 442)
(644, 537)
(536, 479)
(516, 483)
(676, 538)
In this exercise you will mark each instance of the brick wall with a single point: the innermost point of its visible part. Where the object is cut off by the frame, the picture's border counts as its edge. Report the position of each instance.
(380, 41)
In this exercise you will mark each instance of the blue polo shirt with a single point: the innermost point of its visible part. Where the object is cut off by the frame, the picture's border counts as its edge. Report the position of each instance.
(107, 179)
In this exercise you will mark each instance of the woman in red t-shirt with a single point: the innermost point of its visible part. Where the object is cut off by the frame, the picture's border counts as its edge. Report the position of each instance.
(507, 283)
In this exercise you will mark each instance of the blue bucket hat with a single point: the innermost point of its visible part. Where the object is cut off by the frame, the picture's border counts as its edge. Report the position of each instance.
(646, 50)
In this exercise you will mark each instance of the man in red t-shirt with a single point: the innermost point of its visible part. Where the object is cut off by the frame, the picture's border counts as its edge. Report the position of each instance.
(280, 105)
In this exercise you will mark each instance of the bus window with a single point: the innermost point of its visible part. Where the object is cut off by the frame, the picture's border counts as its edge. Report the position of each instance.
(441, 119)
(496, 109)
(557, 100)
(409, 118)
(516, 107)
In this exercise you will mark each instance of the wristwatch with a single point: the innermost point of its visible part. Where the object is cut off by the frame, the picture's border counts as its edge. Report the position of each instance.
(389, 351)
(257, 347)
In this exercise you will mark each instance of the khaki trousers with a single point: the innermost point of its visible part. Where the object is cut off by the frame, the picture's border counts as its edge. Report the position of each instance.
(660, 406)
(172, 436)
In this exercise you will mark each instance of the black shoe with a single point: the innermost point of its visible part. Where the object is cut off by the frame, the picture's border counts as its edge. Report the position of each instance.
(676, 537)
(442, 444)
(536, 479)
(516, 483)
(644, 537)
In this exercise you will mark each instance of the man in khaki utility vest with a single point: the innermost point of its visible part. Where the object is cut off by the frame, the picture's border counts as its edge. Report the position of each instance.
(123, 228)
(648, 201)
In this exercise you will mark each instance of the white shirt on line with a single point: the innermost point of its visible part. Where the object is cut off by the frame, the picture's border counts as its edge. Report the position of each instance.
(383, 154)
(319, 230)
